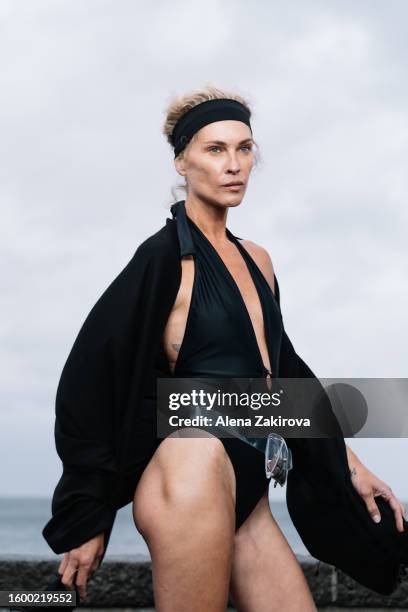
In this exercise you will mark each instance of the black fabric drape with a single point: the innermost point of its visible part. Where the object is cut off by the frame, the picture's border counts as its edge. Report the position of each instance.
(113, 366)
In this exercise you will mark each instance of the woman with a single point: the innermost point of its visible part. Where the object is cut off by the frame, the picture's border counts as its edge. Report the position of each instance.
(200, 503)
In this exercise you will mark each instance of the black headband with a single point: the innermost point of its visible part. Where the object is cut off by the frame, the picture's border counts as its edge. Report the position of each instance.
(202, 114)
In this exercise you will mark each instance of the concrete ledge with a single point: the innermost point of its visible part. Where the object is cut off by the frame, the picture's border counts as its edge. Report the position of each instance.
(126, 582)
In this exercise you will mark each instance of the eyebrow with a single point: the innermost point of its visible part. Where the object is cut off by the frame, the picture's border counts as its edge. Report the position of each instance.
(221, 142)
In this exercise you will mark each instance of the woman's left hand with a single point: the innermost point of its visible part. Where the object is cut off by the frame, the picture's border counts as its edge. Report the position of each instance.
(369, 486)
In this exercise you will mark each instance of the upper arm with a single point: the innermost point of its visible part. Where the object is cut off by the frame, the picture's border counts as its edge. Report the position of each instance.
(263, 261)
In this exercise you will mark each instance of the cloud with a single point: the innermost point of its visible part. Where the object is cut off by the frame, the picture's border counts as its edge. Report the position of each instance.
(86, 172)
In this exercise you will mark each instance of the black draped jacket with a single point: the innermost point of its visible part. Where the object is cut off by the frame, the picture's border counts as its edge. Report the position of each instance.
(116, 356)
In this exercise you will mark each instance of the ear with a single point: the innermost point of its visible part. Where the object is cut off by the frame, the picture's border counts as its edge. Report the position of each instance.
(180, 165)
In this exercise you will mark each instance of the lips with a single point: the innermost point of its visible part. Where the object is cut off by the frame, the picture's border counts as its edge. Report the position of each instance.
(233, 185)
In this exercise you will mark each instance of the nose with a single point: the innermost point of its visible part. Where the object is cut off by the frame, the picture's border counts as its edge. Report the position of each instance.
(233, 164)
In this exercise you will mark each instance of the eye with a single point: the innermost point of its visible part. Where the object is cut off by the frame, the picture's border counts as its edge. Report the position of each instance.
(248, 147)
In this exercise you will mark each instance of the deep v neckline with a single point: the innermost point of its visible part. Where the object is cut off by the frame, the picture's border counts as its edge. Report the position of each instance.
(234, 284)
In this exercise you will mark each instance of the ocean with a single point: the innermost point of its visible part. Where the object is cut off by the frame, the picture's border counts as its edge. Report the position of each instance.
(23, 518)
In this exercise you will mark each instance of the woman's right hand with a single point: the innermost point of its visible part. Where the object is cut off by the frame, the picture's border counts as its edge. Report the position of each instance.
(85, 559)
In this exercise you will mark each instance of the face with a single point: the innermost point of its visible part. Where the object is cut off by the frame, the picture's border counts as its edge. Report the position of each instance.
(219, 153)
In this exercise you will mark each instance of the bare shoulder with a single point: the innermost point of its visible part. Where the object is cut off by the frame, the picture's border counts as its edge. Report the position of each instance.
(262, 259)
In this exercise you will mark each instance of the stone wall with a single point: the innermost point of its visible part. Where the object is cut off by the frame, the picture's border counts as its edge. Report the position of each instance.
(126, 582)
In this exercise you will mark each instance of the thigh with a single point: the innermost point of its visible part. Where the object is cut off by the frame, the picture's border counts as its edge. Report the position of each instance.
(184, 469)
(265, 569)
(192, 458)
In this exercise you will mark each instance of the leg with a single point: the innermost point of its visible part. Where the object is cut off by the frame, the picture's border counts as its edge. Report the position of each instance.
(184, 506)
(266, 574)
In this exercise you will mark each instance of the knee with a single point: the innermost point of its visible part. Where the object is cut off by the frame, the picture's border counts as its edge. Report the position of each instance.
(186, 478)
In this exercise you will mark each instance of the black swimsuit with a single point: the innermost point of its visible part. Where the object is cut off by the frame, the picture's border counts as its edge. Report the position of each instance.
(220, 341)
(219, 338)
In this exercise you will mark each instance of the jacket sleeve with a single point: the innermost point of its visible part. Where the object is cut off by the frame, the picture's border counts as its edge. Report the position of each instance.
(328, 513)
(91, 403)
(86, 420)
(81, 507)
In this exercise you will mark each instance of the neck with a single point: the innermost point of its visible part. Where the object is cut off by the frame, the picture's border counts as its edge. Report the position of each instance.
(210, 217)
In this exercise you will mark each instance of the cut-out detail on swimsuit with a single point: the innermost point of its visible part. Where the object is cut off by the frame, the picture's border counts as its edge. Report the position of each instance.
(188, 315)
(219, 337)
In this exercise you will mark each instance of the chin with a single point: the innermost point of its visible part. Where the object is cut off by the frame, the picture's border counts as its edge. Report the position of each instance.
(233, 199)
(230, 202)
(235, 202)
(225, 200)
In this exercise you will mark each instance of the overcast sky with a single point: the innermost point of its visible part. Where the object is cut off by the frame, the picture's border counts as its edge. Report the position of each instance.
(86, 176)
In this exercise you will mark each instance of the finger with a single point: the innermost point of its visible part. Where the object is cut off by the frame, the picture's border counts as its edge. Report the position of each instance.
(67, 578)
(63, 564)
(82, 578)
(395, 505)
(402, 508)
(373, 509)
(95, 564)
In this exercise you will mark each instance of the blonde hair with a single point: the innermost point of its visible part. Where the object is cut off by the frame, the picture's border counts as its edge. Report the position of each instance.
(179, 105)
